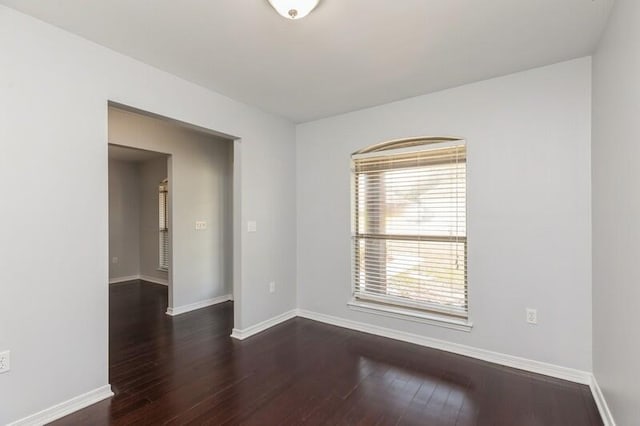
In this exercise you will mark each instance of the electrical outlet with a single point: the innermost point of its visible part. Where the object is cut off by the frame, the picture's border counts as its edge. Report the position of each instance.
(5, 362)
(114, 260)
(532, 316)
(272, 287)
(252, 226)
(200, 225)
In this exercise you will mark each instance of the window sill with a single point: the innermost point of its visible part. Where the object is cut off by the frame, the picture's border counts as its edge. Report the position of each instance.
(411, 315)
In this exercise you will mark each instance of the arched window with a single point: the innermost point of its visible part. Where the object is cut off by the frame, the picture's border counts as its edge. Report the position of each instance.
(409, 226)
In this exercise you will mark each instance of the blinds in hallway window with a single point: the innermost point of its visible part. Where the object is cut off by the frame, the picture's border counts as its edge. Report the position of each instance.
(409, 226)
(163, 220)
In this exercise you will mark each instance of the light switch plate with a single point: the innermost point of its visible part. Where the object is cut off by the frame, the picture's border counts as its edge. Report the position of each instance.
(201, 225)
(252, 226)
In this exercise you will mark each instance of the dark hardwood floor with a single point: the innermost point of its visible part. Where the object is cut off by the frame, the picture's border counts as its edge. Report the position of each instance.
(187, 370)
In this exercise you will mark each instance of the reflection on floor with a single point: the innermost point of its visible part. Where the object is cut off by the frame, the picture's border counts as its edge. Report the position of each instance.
(187, 369)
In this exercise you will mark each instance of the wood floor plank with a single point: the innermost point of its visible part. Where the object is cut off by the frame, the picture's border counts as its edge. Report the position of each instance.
(187, 370)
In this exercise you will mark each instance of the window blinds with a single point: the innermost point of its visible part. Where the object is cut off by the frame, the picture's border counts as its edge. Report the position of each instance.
(163, 219)
(409, 221)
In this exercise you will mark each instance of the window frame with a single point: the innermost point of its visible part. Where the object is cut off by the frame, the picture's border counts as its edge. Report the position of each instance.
(163, 232)
(421, 314)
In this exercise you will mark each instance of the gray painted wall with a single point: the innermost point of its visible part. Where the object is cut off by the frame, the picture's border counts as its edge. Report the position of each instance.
(53, 125)
(200, 187)
(616, 212)
(529, 223)
(124, 219)
(152, 172)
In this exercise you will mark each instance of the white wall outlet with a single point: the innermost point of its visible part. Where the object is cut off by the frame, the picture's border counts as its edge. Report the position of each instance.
(114, 260)
(201, 225)
(252, 226)
(532, 316)
(272, 287)
(5, 362)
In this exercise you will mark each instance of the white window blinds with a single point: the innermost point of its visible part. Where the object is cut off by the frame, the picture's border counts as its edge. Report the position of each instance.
(409, 222)
(163, 220)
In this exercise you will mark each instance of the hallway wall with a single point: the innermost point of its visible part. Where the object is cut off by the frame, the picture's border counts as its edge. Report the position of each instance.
(124, 219)
(200, 187)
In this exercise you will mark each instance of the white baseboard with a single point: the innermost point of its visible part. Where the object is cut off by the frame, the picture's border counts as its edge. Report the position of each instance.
(262, 326)
(65, 408)
(139, 277)
(198, 305)
(603, 407)
(123, 279)
(565, 373)
(154, 280)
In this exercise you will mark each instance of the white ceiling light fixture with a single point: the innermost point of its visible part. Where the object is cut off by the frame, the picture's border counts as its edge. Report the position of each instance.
(294, 9)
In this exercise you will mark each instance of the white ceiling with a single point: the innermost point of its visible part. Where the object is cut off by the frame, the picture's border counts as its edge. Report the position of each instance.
(346, 55)
(121, 153)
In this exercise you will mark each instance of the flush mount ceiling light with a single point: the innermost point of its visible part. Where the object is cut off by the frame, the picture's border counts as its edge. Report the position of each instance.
(294, 9)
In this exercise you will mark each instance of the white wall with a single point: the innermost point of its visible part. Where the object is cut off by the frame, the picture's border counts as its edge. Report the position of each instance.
(152, 172)
(199, 186)
(124, 219)
(616, 212)
(54, 90)
(529, 228)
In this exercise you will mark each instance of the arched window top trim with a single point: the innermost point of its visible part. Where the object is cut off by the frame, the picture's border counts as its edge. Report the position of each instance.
(406, 143)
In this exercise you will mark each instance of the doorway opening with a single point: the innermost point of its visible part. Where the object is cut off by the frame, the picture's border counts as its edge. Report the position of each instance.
(138, 216)
(173, 235)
